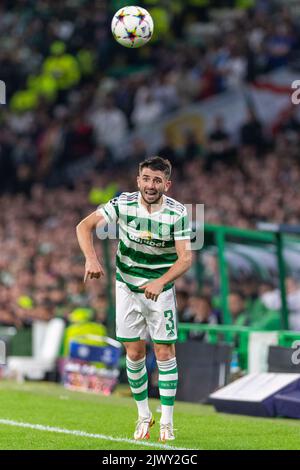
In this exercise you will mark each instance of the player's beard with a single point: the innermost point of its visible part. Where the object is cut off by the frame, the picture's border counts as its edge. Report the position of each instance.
(152, 200)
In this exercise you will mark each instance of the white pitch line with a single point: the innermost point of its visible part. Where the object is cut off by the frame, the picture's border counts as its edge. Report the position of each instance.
(40, 427)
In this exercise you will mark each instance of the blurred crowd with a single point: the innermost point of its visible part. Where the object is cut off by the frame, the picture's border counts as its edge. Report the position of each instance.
(58, 138)
(251, 302)
(41, 270)
(253, 181)
(69, 83)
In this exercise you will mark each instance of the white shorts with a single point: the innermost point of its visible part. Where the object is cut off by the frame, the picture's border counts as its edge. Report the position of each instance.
(137, 317)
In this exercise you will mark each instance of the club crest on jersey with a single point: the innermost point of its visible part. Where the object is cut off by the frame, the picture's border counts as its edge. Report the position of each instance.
(164, 230)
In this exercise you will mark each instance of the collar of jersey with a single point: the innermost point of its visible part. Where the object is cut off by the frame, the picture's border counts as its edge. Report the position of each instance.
(143, 208)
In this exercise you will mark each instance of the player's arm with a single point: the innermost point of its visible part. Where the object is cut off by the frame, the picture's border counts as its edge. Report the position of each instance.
(84, 231)
(183, 264)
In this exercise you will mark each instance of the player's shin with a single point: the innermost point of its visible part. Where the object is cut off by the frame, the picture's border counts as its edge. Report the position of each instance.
(167, 383)
(138, 381)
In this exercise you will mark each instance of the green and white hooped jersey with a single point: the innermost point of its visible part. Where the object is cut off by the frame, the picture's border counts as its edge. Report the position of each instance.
(147, 241)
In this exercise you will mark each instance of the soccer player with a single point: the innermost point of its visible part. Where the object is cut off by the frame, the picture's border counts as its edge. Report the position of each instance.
(154, 250)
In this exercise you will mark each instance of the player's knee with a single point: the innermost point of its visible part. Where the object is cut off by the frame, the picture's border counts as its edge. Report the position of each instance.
(164, 352)
(135, 353)
(164, 356)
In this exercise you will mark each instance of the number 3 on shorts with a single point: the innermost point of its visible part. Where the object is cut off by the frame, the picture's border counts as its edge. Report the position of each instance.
(170, 322)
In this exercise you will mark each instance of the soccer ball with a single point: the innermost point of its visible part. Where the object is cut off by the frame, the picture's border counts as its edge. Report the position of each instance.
(132, 26)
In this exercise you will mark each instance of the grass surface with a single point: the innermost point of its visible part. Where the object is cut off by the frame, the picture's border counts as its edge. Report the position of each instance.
(198, 427)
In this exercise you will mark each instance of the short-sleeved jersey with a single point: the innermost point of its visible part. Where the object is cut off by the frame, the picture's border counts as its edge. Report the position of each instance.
(147, 240)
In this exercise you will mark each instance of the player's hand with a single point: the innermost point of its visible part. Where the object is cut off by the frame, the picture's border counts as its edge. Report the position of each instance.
(153, 289)
(93, 270)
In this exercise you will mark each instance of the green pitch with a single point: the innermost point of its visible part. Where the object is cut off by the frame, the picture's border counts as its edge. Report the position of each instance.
(108, 422)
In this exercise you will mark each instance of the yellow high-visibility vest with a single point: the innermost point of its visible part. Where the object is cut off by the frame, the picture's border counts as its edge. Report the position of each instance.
(64, 69)
(24, 100)
(44, 85)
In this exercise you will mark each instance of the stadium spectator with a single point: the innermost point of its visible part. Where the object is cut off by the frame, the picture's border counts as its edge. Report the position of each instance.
(183, 312)
(237, 308)
(109, 123)
(289, 126)
(201, 312)
(272, 300)
(218, 145)
(251, 133)
(147, 109)
(279, 44)
(248, 309)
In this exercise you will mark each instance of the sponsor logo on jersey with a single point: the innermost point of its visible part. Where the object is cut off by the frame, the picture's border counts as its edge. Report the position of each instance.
(144, 241)
(146, 235)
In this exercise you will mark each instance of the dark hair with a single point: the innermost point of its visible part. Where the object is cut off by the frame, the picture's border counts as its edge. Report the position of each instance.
(204, 298)
(157, 164)
(182, 292)
(238, 292)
